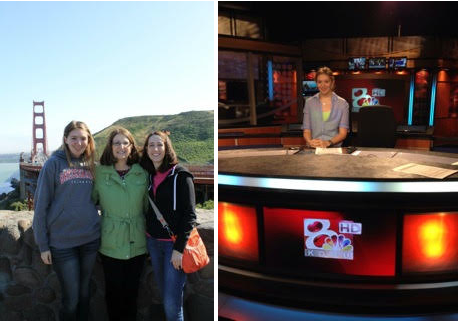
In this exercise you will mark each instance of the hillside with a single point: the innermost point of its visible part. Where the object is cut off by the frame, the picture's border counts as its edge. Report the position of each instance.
(192, 133)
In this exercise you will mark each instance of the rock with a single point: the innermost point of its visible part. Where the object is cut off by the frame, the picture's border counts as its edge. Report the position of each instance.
(29, 238)
(199, 308)
(25, 255)
(151, 283)
(17, 289)
(204, 216)
(27, 276)
(208, 271)
(37, 264)
(157, 312)
(53, 282)
(30, 290)
(144, 298)
(98, 309)
(5, 270)
(11, 316)
(92, 287)
(45, 295)
(205, 288)
(207, 235)
(18, 303)
(193, 278)
(9, 239)
(24, 225)
(39, 313)
(98, 273)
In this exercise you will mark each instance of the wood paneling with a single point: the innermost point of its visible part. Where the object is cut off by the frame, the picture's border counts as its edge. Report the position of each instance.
(414, 143)
(258, 46)
(252, 130)
(259, 141)
(292, 141)
(367, 46)
(245, 141)
(227, 142)
(446, 127)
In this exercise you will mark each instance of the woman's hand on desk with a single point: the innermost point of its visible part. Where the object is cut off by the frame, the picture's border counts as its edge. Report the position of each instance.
(319, 143)
(314, 143)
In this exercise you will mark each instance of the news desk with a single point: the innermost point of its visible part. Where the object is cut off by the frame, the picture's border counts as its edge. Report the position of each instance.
(368, 173)
(267, 197)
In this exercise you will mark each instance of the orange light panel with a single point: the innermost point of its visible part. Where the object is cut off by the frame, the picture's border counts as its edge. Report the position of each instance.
(238, 237)
(430, 242)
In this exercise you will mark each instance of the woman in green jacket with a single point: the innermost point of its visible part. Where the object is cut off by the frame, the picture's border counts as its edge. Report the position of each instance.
(119, 189)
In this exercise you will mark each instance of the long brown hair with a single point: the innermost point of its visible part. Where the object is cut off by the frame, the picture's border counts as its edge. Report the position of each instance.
(169, 160)
(89, 153)
(107, 157)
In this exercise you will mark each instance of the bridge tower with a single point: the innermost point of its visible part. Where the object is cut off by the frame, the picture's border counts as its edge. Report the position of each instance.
(39, 132)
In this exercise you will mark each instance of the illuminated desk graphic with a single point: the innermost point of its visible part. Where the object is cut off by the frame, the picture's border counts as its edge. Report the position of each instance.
(338, 232)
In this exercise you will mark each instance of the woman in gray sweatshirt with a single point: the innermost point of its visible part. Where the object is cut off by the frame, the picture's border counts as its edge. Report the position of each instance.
(66, 223)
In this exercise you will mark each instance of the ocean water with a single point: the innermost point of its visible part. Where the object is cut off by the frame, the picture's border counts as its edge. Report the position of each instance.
(8, 170)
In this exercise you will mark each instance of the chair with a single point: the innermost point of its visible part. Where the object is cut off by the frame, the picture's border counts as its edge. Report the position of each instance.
(376, 127)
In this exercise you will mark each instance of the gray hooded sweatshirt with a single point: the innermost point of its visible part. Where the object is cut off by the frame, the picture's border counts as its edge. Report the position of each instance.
(64, 215)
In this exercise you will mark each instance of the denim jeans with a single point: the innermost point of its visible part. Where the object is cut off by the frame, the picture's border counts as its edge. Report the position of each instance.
(74, 267)
(170, 281)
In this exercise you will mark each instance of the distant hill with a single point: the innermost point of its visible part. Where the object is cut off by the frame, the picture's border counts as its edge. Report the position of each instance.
(192, 133)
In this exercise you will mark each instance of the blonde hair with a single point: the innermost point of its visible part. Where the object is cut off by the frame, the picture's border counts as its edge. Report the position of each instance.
(89, 153)
(328, 72)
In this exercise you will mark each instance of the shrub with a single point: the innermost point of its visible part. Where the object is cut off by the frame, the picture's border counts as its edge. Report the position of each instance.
(19, 206)
(208, 205)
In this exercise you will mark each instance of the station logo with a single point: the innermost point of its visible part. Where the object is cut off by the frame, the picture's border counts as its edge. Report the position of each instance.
(331, 239)
(361, 98)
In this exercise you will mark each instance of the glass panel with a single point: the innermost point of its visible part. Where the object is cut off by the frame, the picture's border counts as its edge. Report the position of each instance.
(248, 27)
(238, 236)
(421, 111)
(285, 88)
(224, 24)
(430, 242)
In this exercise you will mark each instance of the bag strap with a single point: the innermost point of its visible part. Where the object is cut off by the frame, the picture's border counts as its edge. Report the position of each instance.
(161, 218)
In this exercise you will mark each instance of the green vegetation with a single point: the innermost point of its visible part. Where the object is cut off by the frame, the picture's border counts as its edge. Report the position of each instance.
(12, 201)
(192, 134)
(208, 205)
(19, 206)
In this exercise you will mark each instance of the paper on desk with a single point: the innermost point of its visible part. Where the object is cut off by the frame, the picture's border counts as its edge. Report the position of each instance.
(456, 164)
(323, 151)
(429, 171)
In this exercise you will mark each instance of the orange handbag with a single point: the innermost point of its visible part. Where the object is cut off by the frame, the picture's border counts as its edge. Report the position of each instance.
(194, 256)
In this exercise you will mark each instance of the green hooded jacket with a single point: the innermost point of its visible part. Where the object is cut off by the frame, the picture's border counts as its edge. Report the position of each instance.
(123, 203)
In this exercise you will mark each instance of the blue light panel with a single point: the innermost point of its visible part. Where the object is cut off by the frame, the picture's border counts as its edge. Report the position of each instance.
(339, 186)
(270, 80)
(433, 98)
(411, 99)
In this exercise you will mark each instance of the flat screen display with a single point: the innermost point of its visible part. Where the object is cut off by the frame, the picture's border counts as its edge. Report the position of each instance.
(377, 63)
(370, 92)
(309, 87)
(357, 63)
(397, 62)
